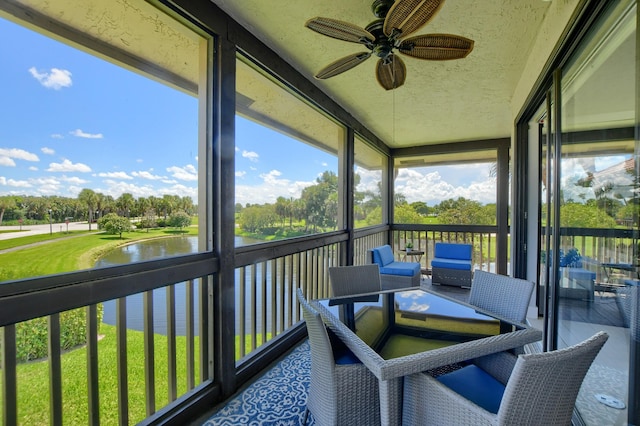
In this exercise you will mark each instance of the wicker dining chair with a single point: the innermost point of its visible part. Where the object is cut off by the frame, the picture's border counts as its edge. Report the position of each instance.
(505, 296)
(531, 389)
(342, 391)
(357, 279)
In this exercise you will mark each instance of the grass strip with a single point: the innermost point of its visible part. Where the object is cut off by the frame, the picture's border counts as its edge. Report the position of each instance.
(62, 254)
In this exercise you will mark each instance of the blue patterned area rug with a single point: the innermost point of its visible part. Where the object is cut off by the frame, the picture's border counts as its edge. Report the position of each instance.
(277, 398)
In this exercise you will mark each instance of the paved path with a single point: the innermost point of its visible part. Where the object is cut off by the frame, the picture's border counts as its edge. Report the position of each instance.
(44, 229)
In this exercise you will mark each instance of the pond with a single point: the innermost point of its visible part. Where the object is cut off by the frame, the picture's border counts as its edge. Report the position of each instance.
(148, 250)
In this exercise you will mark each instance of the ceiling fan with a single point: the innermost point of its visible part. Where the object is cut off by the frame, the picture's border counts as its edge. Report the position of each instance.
(396, 20)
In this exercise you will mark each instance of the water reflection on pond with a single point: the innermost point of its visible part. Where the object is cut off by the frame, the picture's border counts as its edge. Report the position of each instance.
(148, 250)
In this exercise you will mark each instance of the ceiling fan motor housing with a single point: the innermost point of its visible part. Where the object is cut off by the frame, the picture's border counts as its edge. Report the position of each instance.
(383, 45)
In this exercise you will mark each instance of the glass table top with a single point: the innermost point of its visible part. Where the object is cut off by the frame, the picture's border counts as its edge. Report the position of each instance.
(405, 322)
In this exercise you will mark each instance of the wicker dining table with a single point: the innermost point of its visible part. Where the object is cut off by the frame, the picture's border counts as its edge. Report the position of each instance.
(399, 332)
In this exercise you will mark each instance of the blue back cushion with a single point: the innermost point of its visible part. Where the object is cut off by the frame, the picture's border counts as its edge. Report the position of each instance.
(383, 255)
(476, 385)
(453, 251)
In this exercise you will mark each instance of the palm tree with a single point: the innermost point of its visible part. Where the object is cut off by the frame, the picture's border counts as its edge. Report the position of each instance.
(89, 199)
(125, 203)
(6, 202)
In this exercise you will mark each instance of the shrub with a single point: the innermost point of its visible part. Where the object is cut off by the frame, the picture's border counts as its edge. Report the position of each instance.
(31, 336)
(179, 220)
(114, 224)
(146, 224)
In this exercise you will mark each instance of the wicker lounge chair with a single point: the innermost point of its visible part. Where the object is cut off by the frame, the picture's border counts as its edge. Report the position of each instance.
(347, 280)
(505, 296)
(502, 389)
(451, 264)
(342, 390)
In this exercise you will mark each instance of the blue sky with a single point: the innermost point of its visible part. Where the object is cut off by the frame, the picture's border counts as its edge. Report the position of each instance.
(73, 121)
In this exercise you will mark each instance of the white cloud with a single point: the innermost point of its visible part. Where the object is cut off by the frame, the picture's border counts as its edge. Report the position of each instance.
(427, 184)
(369, 180)
(116, 188)
(251, 156)
(19, 154)
(57, 136)
(146, 175)
(115, 175)
(241, 174)
(45, 181)
(272, 187)
(7, 161)
(187, 172)
(74, 180)
(47, 151)
(68, 166)
(47, 186)
(272, 176)
(80, 134)
(14, 183)
(181, 190)
(33, 168)
(55, 79)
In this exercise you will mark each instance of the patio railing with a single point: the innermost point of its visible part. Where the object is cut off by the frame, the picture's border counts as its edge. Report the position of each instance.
(134, 316)
(168, 303)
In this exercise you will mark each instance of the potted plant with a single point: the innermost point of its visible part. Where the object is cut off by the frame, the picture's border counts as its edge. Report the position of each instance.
(408, 246)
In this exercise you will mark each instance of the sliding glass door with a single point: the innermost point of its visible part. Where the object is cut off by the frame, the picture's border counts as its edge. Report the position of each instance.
(588, 217)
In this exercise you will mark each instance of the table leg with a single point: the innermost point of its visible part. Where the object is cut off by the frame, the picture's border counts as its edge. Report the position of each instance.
(391, 402)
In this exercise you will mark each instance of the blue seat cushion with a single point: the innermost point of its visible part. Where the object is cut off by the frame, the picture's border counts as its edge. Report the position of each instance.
(383, 255)
(341, 353)
(408, 269)
(453, 251)
(344, 357)
(463, 265)
(476, 385)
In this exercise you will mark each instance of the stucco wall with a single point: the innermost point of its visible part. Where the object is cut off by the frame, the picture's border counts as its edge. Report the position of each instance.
(555, 21)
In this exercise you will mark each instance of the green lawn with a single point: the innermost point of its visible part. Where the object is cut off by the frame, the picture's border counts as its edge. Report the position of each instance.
(33, 390)
(64, 254)
(68, 254)
(31, 239)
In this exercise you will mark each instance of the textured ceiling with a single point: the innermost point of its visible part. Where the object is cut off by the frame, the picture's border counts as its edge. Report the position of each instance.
(447, 101)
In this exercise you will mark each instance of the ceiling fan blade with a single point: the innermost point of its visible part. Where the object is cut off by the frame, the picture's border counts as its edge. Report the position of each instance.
(342, 65)
(436, 47)
(340, 30)
(391, 73)
(407, 16)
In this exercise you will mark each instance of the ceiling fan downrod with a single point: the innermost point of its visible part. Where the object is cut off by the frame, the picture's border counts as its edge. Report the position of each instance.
(381, 7)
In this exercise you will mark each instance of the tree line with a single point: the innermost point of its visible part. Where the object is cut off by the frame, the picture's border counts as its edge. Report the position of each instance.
(89, 206)
(317, 210)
